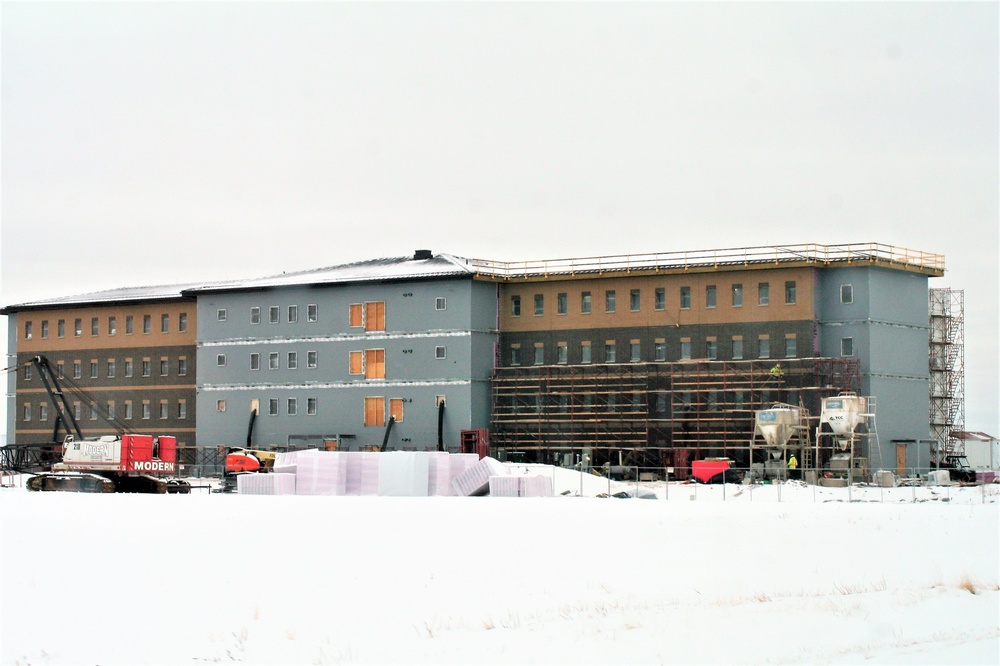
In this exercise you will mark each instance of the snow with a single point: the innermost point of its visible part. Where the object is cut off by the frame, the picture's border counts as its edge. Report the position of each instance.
(778, 574)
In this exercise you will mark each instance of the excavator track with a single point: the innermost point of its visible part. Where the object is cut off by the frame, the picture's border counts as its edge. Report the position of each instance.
(72, 483)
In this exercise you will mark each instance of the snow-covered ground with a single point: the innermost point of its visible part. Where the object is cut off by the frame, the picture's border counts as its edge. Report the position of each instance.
(786, 574)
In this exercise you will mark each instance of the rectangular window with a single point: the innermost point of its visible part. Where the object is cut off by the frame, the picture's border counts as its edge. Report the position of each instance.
(374, 364)
(182, 322)
(790, 346)
(45, 328)
(221, 314)
(255, 315)
(375, 316)
(586, 302)
(585, 354)
(95, 326)
(375, 411)
(111, 368)
(112, 325)
(356, 362)
(182, 409)
(312, 359)
(515, 306)
(539, 353)
(293, 314)
(562, 303)
(737, 347)
(182, 366)
(710, 296)
(610, 352)
(711, 349)
(28, 334)
(539, 304)
(128, 410)
(293, 360)
(763, 347)
(272, 407)
(129, 324)
(254, 360)
(660, 350)
(147, 367)
(77, 370)
(660, 302)
(164, 367)
(292, 406)
(440, 303)
(790, 292)
(27, 411)
(609, 300)
(272, 361)
(737, 295)
(685, 298)
(60, 369)
(440, 352)
(846, 293)
(93, 369)
(220, 360)
(27, 373)
(763, 293)
(312, 312)
(562, 353)
(274, 314)
(78, 411)
(515, 354)
(356, 315)
(147, 323)
(128, 367)
(311, 406)
(634, 351)
(396, 409)
(61, 328)
(685, 349)
(77, 327)
(164, 409)
(634, 300)
(847, 346)
(164, 323)
(146, 414)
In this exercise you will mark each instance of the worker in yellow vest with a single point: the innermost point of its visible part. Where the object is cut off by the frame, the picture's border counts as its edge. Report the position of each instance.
(793, 464)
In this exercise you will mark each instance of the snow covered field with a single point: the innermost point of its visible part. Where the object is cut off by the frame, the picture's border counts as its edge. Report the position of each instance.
(902, 575)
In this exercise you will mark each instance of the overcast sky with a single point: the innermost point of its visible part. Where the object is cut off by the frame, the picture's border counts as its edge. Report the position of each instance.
(151, 143)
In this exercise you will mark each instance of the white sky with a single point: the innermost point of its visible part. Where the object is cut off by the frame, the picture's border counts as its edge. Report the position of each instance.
(147, 143)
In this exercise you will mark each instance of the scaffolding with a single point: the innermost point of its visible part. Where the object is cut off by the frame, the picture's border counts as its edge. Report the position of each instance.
(652, 414)
(947, 371)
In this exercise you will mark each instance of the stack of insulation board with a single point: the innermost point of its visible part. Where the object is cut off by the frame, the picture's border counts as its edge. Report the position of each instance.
(476, 479)
(265, 484)
(535, 485)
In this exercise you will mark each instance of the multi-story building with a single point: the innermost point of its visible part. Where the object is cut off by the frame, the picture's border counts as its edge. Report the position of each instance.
(396, 352)
(125, 359)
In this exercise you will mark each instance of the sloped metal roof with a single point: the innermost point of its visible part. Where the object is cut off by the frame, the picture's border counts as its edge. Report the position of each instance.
(120, 295)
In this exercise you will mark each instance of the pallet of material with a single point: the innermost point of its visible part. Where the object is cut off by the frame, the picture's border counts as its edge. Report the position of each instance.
(320, 473)
(476, 479)
(265, 484)
(534, 485)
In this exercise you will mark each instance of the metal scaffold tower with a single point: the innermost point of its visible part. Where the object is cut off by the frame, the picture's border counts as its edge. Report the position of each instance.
(947, 370)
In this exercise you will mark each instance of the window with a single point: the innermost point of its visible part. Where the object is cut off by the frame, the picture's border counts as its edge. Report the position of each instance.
(562, 353)
(396, 409)
(375, 411)
(311, 406)
(128, 410)
(164, 409)
(146, 409)
(60, 369)
(77, 370)
(685, 298)
(374, 364)
(292, 406)
(846, 293)
(61, 328)
(77, 411)
(763, 347)
(356, 315)
(660, 298)
(95, 326)
(790, 292)
(293, 314)
(293, 360)
(45, 328)
(27, 373)
(274, 314)
(312, 359)
(93, 369)
(220, 360)
(440, 352)
(737, 347)
(515, 306)
(763, 293)
(312, 312)
(711, 349)
(609, 300)
(28, 330)
(585, 352)
(147, 323)
(43, 411)
(128, 367)
(562, 304)
(164, 323)
(634, 298)
(27, 411)
(610, 352)
(685, 349)
(111, 368)
(182, 409)
(660, 350)
(356, 362)
(515, 354)
(164, 367)
(737, 295)
(182, 322)
(586, 302)
(272, 407)
(272, 361)
(129, 324)
(255, 315)
(182, 366)
(254, 360)
(221, 314)
(539, 353)
(635, 351)
(710, 296)
(112, 325)
(440, 303)
(790, 345)
(77, 327)
(847, 346)
(147, 368)
(375, 316)
(539, 304)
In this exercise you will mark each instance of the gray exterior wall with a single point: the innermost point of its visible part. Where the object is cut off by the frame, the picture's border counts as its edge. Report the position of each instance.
(888, 321)
(414, 328)
(11, 394)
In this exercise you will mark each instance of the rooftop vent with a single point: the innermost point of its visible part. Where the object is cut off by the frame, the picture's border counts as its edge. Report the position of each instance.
(423, 254)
